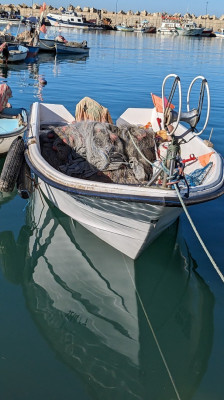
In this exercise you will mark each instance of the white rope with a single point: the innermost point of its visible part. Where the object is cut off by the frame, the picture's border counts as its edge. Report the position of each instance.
(198, 236)
(153, 334)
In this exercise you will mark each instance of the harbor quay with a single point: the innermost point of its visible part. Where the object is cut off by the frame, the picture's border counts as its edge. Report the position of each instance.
(130, 18)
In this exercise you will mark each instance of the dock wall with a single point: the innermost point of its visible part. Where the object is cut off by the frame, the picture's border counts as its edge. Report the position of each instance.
(129, 18)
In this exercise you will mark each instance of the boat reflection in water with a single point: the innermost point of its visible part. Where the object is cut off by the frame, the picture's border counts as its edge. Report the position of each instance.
(90, 302)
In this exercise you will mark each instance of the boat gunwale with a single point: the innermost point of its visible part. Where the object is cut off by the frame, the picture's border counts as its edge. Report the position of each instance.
(155, 200)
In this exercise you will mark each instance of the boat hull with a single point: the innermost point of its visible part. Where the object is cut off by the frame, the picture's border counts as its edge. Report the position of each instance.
(47, 45)
(127, 226)
(190, 32)
(61, 48)
(32, 52)
(17, 53)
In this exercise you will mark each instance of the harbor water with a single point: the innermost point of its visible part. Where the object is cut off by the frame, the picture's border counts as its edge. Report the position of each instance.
(79, 320)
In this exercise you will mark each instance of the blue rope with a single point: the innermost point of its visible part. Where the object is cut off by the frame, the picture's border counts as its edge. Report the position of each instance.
(196, 177)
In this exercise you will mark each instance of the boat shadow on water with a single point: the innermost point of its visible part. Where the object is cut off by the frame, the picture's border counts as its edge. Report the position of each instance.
(131, 329)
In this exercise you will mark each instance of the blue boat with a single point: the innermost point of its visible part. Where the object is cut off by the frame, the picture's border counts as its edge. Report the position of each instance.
(13, 122)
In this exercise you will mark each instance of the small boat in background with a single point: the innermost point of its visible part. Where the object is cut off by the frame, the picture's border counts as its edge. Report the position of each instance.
(14, 19)
(16, 53)
(189, 28)
(49, 45)
(220, 33)
(208, 32)
(168, 27)
(13, 121)
(68, 19)
(144, 27)
(72, 48)
(124, 28)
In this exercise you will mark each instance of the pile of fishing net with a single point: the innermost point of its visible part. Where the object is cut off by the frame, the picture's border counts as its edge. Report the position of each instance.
(94, 148)
(25, 36)
(99, 151)
(77, 44)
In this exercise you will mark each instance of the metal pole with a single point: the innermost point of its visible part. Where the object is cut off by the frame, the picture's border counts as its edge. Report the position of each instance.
(206, 10)
(116, 13)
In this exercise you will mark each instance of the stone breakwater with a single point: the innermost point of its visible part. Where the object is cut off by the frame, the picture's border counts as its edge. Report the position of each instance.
(130, 18)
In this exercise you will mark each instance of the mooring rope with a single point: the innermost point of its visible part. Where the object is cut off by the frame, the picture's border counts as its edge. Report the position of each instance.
(49, 47)
(198, 236)
(153, 334)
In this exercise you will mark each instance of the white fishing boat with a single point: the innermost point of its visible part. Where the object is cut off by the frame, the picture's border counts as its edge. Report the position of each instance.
(13, 120)
(189, 28)
(68, 19)
(72, 48)
(17, 53)
(184, 170)
(168, 27)
(124, 28)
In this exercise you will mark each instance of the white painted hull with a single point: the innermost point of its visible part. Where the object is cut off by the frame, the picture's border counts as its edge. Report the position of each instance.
(124, 29)
(16, 54)
(15, 57)
(219, 35)
(128, 227)
(190, 32)
(14, 22)
(167, 32)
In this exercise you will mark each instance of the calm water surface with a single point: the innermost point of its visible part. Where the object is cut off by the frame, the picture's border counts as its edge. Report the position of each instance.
(78, 319)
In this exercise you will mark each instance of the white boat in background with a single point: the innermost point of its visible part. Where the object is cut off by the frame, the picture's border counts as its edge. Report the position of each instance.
(124, 28)
(68, 19)
(130, 216)
(220, 33)
(168, 27)
(13, 19)
(189, 28)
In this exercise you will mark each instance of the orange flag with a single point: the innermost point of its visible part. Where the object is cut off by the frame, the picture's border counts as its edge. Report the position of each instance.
(43, 29)
(157, 101)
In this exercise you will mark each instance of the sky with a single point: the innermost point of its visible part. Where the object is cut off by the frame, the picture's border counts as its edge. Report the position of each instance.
(197, 7)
